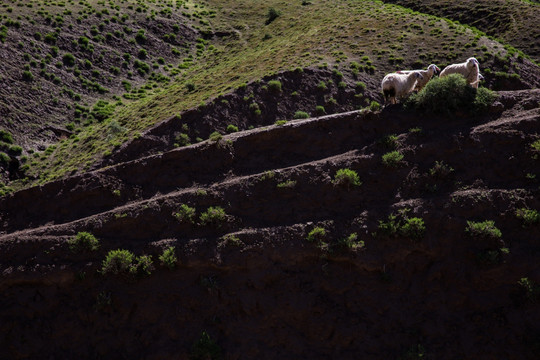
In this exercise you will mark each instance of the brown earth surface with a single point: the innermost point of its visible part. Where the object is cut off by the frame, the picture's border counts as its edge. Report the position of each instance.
(253, 282)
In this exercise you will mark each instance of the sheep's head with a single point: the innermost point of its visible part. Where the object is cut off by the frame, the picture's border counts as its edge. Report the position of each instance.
(418, 75)
(434, 68)
(472, 62)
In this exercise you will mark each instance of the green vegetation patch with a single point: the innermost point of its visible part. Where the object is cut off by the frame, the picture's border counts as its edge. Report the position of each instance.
(347, 178)
(483, 229)
(449, 95)
(84, 241)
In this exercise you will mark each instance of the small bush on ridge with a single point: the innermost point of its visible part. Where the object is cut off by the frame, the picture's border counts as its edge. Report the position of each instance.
(83, 241)
(168, 257)
(347, 177)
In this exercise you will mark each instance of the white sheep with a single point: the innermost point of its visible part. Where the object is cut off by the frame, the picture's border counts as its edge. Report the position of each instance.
(397, 86)
(427, 74)
(469, 69)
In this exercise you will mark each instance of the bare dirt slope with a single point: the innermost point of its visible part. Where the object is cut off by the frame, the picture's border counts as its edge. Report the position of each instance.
(253, 281)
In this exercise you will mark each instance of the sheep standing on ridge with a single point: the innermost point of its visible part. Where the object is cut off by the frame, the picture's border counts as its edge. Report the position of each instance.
(427, 74)
(397, 86)
(469, 69)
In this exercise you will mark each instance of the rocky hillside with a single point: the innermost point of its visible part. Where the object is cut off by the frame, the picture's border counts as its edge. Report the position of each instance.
(219, 180)
(430, 252)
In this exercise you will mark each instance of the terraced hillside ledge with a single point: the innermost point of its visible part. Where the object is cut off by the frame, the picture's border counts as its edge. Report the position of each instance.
(431, 251)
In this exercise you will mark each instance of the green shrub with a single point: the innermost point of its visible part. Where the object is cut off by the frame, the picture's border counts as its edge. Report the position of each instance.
(280, 122)
(274, 86)
(4, 159)
(185, 214)
(413, 228)
(351, 242)
(301, 115)
(140, 37)
(117, 262)
(102, 110)
(536, 145)
(532, 290)
(205, 349)
(392, 159)
(320, 110)
(374, 106)
(289, 184)
(390, 227)
(317, 234)
(83, 241)
(390, 141)
(483, 99)
(440, 170)
(272, 15)
(142, 266)
(215, 136)
(6, 136)
(484, 229)
(402, 225)
(183, 139)
(347, 178)
(27, 76)
(168, 258)
(529, 216)
(360, 87)
(451, 94)
(68, 59)
(232, 128)
(142, 54)
(214, 216)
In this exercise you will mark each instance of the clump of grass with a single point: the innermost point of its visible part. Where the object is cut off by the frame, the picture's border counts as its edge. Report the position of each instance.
(484, 229)
(6, 136)
(205, 348)
(214, 216)
(280, 122)
(272, 15)
(402, 225)
(374, 106)
(83, 241)
(532, 289)
(347, 178)
(215, 136)
(274, 86)
(528, 216)
(232, 128)
(392, 158)
(142, 265)
(168, 258)
(317, 234)
(123, 261)
(117, 262)
(185, 214)
(351, 242)
(301, 115)
(289, 184)
(440, 170)
(390, 141)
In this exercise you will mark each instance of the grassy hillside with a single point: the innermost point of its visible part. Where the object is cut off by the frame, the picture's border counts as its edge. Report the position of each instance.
(513, 21)
(223, 45)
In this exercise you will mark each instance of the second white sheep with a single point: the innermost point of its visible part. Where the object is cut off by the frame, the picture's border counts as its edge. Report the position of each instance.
(470, 70)
(427, 74)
